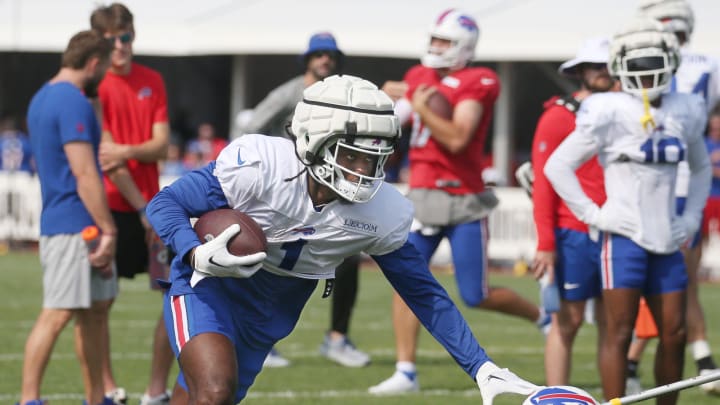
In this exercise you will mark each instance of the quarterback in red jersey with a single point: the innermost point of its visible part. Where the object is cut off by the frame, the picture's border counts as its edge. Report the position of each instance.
(446, 187)
(565, 252)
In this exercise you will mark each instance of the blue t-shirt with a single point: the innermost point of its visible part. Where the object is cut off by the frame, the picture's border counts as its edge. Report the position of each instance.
(58, 114)
(713, 146)
(15, 152)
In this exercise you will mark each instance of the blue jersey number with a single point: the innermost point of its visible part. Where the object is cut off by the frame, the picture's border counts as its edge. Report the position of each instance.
(292, 253)
(667, 150)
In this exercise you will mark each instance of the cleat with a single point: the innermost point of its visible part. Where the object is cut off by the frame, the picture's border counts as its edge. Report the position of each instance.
(399, 383)
(275, 360)
(162, 399)
(712, 387)
(633, 386)
(118, 396)
(343, 352)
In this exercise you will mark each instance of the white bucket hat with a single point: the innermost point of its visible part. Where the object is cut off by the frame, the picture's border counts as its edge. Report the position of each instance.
(593, 50)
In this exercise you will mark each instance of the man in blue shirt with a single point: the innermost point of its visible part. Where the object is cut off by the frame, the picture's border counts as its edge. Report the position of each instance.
(65, 135)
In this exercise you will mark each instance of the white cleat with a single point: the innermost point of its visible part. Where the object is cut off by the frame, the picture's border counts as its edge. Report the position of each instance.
(343, 352)
(275, 360)
(118, 396)
(399, 383)
(712, 387)
(632, 386)
(162, 399)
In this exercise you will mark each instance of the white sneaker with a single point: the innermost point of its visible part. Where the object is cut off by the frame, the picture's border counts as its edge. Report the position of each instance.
(118, 396)
(275, 360)
(633, 386)
(712, 387)
(162, 399)
(343, 352)
(399, 383)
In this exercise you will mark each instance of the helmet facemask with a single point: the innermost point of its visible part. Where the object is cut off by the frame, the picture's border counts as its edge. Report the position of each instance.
(338, 166)
(649, 70)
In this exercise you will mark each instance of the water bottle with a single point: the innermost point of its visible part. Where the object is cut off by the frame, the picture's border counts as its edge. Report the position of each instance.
(549, 294)
(91, 236)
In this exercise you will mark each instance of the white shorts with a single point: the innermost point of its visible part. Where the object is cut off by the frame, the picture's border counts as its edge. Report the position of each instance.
(68, 280)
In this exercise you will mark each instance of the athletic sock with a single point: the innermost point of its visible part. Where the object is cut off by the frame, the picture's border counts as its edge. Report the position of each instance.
(632, 368)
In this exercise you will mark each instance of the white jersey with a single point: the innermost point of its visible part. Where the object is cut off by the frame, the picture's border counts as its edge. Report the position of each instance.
(252, 172)
(697, 74)
(640, 166)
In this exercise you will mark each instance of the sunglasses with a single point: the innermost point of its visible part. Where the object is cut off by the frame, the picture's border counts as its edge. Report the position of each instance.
(123, 38)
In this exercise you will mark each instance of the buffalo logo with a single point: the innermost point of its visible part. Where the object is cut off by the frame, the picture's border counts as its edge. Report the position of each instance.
(145, 92)
(467, 23)
(560, 395)
(305, 230)
(80, 127)
(376, 141)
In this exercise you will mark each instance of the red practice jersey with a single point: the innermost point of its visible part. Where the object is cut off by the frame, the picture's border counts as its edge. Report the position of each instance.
(433, 167)
(549, 210)
(131, 104)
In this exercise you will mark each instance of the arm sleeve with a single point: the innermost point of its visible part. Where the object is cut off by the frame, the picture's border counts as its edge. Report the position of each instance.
(560, 169)
(190, 196)
(552, 127)
(409, 275)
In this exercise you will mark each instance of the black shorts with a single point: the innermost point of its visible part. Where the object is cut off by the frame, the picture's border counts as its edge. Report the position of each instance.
(131, 257)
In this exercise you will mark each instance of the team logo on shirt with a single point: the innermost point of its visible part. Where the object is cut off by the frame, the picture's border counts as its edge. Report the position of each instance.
(359, 225)
(145, 92)
(80, 127)
(305, 230)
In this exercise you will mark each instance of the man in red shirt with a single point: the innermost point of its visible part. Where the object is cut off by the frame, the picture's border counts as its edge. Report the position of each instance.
(565, 251)
(446, 187)
(135, 137)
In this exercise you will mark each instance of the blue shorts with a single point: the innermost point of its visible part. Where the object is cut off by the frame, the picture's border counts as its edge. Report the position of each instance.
(468, 243)
(679, 209)
(624, 264)
(577, 267)
(254, 313)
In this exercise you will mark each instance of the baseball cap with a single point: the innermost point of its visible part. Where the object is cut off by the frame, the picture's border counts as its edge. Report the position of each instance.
(322, 41)
(593, 50)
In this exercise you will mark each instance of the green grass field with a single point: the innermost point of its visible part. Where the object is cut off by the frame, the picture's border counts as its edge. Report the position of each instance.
(310, 379)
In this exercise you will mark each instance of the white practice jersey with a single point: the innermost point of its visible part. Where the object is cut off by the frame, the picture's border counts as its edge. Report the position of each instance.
(697, 74)
(640, 166)
(304, 241)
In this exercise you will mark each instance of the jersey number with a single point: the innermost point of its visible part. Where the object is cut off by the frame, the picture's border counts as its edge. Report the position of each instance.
(666, 150)
(292, 253)
(420, 133)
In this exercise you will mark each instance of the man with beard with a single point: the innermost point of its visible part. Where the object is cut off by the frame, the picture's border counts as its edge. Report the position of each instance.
(322, 59)
(565, 253)
(136, 136)
(77, 282)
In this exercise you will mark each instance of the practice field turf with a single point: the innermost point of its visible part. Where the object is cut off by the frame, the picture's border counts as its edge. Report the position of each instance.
(311, 379)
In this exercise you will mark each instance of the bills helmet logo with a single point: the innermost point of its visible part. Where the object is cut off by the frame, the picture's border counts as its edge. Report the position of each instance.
(467, 23)
(560, 395)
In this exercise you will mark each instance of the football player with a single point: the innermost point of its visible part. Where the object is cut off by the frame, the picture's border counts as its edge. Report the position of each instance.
(224, 313)
(640, 135)
(446, 188)
(697, 74)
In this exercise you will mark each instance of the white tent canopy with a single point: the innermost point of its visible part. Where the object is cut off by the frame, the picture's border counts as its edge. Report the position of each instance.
(511, 30)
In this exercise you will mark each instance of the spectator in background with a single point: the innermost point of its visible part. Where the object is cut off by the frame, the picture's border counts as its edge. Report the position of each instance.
(174, 165)
(77, 283)
(446, 188)
(15, 150)
(135, 137)
(322, 58)
(565, 254)
(205, 148)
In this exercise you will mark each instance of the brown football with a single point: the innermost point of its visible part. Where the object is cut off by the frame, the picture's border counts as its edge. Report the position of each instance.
(251, 238)
(440, 105)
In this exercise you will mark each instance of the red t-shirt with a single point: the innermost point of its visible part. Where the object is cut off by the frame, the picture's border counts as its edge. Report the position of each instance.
(549, 210)
(433, 167)
(131, 105)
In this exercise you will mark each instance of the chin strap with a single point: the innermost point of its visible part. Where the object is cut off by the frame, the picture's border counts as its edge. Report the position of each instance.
(647, 119)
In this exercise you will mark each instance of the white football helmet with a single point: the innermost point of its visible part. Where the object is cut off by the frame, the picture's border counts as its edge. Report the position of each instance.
(675, 15)
(462, 31)
(644, 51)
(344, 115)
(560, 395)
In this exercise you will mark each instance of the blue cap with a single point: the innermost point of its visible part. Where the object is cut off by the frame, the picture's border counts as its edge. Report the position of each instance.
(322, 41)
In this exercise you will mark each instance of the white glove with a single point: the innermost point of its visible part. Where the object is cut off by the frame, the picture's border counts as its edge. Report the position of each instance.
(493, 381)
(525, 177)
(212, 259)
